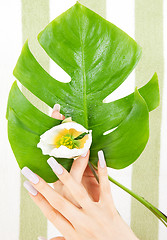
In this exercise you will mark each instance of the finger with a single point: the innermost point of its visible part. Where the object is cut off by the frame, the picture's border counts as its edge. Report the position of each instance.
(56, 112)
(77, 190)
(62, 205)
(105, 189)
(58, 186)
(79, 166)
(63, 225)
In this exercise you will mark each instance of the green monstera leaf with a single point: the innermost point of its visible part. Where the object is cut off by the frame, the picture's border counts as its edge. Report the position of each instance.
(98, 56)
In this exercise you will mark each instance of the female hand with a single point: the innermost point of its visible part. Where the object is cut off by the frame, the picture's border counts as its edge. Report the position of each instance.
(92, 220)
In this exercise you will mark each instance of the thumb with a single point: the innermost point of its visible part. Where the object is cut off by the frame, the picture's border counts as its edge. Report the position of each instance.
(78, 167)
(56, 112)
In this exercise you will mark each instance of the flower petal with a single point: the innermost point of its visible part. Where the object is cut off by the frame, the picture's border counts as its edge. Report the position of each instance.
(49, 135)
(47, 141)
(46, 148)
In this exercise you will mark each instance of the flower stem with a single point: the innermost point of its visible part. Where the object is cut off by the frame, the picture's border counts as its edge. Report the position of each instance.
(161, 216)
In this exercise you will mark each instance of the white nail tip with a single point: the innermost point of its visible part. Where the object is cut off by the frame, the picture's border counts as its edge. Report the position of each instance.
(84, 154)
(102, 161)
(30, 188)
(32, 177)
(56, 167)
(56, 107)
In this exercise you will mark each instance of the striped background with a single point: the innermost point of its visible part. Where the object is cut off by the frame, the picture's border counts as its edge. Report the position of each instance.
(146, 21)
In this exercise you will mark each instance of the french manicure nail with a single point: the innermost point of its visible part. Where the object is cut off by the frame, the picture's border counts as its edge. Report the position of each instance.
(30, 188)
(56, 107)
(102, 161)
(56, 167)
(41, 238)
(84, 154)
(32, 177)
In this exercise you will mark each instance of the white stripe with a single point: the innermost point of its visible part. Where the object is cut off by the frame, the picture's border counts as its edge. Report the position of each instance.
(56, 8)
(10, 47)
(163, 150)
(122, 14)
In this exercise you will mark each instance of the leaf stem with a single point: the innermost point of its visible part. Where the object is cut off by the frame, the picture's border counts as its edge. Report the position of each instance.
(93, 171)
(161, 216)
(153, 209)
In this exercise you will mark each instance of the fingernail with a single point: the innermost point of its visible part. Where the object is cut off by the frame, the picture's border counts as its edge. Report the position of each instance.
(56, 167)
(32, 177)
(30, 188)
(102, 161)
(56, 107)
(41, 238)
(84, 154)
(61, 116)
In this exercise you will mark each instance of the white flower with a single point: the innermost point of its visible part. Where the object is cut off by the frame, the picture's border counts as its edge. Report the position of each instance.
(60, 141)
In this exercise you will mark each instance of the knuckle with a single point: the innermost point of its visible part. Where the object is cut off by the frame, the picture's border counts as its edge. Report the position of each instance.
(80, 193)
(88, 229)
(84, 199)
(40, 198)
(58, 203)
(107, 203)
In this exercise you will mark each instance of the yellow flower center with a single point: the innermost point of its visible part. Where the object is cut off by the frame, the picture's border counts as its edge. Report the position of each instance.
(67, 137)
(67, 141)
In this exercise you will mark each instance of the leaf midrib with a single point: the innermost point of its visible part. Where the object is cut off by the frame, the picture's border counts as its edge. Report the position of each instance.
(84, 80)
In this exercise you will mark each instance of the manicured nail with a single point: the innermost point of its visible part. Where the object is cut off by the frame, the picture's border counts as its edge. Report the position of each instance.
(101, 159)
(30, 188)
(61, 116)
(56, 167)
(41, 238)
(84, 154)
(56, 107)
(32, 177)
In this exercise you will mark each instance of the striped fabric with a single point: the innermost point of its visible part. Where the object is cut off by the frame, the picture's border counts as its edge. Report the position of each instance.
(144, 20)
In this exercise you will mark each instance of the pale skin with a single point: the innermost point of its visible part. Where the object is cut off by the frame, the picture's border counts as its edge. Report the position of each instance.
(80, 207)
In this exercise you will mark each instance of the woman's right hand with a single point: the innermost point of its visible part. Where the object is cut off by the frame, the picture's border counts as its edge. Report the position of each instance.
(92, 220)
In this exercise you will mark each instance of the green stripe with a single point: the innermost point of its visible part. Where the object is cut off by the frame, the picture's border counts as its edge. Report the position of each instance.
(145, 174)
(35, 16)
